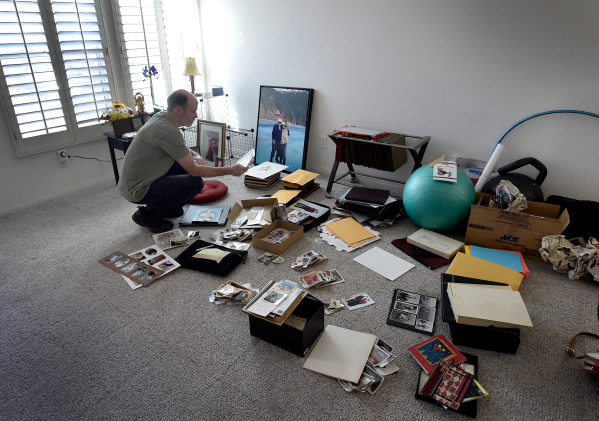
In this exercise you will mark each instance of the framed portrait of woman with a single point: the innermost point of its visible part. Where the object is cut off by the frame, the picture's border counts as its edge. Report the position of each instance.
(211, 140)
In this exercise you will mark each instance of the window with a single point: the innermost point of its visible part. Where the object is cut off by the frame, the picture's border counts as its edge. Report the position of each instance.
(56, 80)
(151, 34)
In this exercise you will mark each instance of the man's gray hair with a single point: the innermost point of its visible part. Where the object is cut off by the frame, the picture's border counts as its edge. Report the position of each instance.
(178, 98)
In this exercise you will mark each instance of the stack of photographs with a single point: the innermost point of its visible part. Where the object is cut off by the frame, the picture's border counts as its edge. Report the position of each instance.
(413, 311)
(373, 374)
(267, 258)
(333, 306)
(276, 299)
(320, 279)
(307, 259)
(175, 238)
(232, 293)
(278, 235)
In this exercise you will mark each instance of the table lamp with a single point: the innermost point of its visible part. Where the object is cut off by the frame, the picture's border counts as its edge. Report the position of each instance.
(191, 69)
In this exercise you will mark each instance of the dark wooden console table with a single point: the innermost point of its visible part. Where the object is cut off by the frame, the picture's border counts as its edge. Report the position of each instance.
(121, 145)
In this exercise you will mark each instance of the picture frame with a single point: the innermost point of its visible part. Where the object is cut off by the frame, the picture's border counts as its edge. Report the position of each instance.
(137, 122)
(211, 140)
(294, 107)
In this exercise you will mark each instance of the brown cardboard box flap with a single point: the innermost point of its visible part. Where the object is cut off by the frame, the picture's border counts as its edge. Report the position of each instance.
(268, 204)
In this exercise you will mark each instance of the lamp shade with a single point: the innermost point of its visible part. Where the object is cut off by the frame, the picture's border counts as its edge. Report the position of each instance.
(190, 67)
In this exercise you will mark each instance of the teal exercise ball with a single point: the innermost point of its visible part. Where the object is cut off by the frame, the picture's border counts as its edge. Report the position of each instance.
(437, 205)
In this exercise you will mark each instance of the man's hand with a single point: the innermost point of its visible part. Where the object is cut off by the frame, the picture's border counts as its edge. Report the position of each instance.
(273, 142)
(238, 170)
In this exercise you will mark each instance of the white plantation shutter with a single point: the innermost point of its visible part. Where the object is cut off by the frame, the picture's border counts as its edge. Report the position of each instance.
(28, 70)
(55, 79)
(141, 48)
(151, 35)
(172, 19)
(83, 56)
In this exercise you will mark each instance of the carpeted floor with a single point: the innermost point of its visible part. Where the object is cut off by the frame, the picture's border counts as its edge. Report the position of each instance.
(77, 343)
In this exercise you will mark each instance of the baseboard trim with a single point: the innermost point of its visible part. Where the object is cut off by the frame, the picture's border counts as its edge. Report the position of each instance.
(105, 181)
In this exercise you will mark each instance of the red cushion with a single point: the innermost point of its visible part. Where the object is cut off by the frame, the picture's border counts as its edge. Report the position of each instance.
(212, 190)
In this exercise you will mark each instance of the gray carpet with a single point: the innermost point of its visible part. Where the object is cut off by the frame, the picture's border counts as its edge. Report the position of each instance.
(77, 343)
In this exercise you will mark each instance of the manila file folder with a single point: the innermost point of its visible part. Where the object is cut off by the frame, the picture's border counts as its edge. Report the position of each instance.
(473, 267)
(349, 230)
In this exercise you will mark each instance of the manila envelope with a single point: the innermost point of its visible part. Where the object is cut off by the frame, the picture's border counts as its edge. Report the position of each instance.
(284, 196)
(473, 267)
(300, 177)
(349, 230)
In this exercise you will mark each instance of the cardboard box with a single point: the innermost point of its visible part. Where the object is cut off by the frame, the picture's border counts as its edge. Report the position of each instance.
(244, 207)
(289, 338)
(517, 231)
(259, 243)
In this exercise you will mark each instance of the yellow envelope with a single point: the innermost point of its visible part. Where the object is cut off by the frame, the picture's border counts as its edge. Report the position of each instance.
(300, 177)
(284, 196)
(349, 230)
(473, 267)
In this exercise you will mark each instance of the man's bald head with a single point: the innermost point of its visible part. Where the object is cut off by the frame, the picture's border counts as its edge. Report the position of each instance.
(179, 98)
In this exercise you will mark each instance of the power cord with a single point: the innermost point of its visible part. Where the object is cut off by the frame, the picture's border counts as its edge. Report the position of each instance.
(83, 157)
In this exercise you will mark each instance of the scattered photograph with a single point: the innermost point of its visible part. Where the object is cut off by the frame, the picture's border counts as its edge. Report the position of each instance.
(149, 276)
(376, 382)
(378, 355)
(121, 262)
(424, 325)
(336, 276)
(139, 271)
(157, 259)
(113, 257)
(363, 383)
(130, 267)
(310, 279)
(408, 297)
(193, 234)
(208, 215)
(218, 162)
(266, 258)
(401, 317)
(150, 251)
(165, 265)
(428, 301)
(384, 345)
(273, 297)
(357, 301)
(410, 308)
(139, 256)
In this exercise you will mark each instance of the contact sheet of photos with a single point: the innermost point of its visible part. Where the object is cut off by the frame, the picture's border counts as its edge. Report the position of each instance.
(157, 259)
(131, 268)
(412, 311)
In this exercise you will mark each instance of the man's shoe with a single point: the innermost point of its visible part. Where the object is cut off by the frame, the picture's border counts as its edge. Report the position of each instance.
(173, 213)
(151, 221)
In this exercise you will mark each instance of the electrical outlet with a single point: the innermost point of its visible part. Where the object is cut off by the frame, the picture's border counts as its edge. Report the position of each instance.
(63, 157)
(323, 142)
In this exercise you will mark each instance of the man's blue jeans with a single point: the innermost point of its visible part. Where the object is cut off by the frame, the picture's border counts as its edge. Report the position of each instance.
(171, 191)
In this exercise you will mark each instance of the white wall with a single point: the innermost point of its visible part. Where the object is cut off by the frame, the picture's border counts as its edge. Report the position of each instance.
(462, 72)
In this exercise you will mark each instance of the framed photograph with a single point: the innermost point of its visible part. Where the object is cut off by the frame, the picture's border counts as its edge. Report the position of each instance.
(283, 126)
(211, 140)
(137, 122)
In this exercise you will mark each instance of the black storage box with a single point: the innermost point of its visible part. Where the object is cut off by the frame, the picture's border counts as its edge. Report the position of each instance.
(467, 408)
(289, 338)
(489, 338)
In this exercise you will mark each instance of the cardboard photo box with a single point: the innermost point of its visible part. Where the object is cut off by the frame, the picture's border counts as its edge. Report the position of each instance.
(243, 208)
(258, 238)
(517, 231)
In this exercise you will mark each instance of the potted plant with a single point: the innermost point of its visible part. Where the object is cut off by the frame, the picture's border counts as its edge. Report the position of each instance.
(118, 117)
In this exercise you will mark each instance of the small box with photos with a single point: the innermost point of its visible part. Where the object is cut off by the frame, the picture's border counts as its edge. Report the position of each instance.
(412, 311)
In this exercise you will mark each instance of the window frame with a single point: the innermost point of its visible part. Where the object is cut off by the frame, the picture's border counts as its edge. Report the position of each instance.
(74, 135)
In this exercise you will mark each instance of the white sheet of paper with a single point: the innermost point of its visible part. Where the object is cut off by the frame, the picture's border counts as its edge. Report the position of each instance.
(384, 263)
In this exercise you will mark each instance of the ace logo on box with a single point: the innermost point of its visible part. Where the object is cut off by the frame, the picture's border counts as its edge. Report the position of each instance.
(510, 238)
